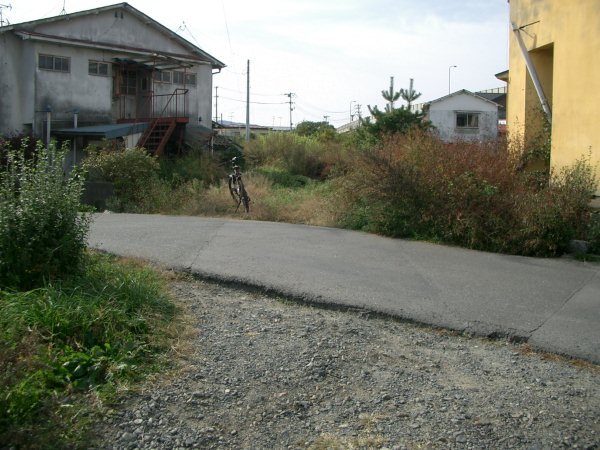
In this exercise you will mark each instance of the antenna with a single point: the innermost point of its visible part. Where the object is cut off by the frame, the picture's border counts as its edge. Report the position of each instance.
(184, 27)
(4, 21)
(64, 11)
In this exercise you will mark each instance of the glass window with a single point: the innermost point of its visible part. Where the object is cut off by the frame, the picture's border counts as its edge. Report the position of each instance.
(98, 68)
(190, 78)
(467, 120)
(55, 63)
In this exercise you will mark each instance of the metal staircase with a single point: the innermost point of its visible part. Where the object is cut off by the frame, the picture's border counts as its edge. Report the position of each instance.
(163, 113)
(157, 135)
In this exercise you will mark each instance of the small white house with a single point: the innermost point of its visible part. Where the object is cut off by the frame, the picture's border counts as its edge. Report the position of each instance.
(464, 116)
(106, 72)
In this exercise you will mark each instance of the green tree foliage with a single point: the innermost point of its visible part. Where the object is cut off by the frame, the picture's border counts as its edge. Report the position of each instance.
(390, 96)
(42, 235)
(399, 120)
(409, 95)
(319, 130)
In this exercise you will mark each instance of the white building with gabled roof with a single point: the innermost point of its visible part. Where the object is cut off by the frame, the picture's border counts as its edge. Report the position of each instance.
(104, 66)
(464, 116)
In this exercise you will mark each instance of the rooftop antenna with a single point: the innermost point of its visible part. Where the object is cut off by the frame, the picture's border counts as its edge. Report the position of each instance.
(64, 11)
(4, 21)
(184, 27)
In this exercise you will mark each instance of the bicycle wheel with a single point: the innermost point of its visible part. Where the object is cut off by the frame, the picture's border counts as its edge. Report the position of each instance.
(244, 196)
(234, 191)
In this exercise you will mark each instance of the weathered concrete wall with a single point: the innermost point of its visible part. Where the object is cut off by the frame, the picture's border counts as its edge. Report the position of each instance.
(28, 90)
(442, 115)
(10, 102)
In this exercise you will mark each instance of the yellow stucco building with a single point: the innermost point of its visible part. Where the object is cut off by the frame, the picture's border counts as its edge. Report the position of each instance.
(561, 39)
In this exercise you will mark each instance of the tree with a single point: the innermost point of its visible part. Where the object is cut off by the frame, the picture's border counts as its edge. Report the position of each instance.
(399, 120)
(409, 95)
(390, 96)
(308, 128)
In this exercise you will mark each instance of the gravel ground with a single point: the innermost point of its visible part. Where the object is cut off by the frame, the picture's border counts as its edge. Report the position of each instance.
(265, 373)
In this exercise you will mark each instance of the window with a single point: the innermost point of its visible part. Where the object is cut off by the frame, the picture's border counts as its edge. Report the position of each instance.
(190, 78)
(467, 120)
(178, 77)
(55, 63)
(98, 68)
(162, 76)
(184, 78)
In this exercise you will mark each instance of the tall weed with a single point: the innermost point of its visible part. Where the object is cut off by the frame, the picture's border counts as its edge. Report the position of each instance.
(42, 234)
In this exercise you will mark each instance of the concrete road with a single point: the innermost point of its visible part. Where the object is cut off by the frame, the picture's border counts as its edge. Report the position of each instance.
(554, 304)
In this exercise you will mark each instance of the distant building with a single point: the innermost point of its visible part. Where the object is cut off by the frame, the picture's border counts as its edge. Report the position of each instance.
(554, 67)
(109, 72)
(463, 115)
(350, 126)
(237, 129)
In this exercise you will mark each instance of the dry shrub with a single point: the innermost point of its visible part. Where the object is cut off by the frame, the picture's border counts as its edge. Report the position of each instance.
(468, 194)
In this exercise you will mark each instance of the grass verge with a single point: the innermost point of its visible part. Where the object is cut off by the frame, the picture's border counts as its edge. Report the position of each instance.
(68, 347)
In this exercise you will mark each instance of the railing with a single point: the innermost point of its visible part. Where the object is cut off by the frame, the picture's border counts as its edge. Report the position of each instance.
(169, 105)
(155, 106)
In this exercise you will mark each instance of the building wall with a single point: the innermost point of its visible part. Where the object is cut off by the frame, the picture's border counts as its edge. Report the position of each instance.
(442, 115)
(28, 90)
(564, 48)
(10, 63)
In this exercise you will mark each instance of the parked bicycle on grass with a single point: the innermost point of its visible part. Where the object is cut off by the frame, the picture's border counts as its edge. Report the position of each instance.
(236, 187)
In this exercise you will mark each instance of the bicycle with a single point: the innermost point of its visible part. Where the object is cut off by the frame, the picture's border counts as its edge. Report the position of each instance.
(237, 188)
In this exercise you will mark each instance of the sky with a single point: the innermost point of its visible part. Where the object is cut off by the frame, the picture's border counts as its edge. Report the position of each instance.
(332, 55)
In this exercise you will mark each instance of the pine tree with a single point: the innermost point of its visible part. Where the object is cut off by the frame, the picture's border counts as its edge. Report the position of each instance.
(390, 96)
(409, 95)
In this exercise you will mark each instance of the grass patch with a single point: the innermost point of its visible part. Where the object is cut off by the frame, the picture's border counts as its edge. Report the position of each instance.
(69, 346)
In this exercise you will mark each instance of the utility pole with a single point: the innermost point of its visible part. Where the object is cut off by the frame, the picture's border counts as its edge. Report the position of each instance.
(358, 111)
(217, 104)
(326, 119)
(290, 94)
(248, 103)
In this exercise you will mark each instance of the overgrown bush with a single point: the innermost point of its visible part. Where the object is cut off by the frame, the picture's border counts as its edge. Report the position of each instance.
(468, 194)
(133, 172)
(196, 165)
(298, 155)
(42, 235)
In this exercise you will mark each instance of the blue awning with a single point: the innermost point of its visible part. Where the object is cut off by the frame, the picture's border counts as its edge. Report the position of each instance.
(110, 131)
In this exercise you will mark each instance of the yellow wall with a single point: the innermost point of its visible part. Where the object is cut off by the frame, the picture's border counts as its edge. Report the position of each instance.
(565, 48)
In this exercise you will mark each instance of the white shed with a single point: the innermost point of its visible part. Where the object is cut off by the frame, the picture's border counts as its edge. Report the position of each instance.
(463, 115)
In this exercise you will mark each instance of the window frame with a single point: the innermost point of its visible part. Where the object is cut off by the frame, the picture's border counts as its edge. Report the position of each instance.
(162, 76)
(469, 116)
(55, 67)
(185, 78)
(98, 65)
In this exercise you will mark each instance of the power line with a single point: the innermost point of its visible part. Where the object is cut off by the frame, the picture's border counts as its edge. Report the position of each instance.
(256, 103)
(253, 93)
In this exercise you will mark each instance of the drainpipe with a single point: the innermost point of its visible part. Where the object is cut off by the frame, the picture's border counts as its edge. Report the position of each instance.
(75, 117)
(533, 73)
(48, 126)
